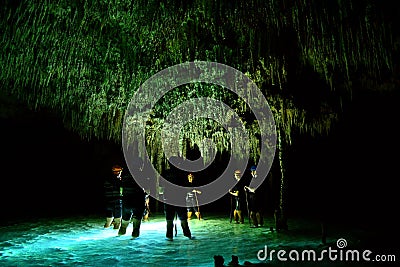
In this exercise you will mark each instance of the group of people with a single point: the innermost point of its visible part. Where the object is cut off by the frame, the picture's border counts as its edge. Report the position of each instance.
(241, 192)
(127, 202)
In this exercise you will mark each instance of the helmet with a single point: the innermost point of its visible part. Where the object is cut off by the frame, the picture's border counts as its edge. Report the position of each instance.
(116, 168)
(253, 168)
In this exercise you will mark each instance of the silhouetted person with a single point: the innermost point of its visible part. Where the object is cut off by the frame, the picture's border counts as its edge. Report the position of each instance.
(254, 203)
(174, 175)
(237, 193)
(146, 212)
(191, 198)
(112, 197)
(133, 202)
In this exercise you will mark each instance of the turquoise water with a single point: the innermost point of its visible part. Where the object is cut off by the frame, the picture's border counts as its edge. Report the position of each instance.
(82, 241)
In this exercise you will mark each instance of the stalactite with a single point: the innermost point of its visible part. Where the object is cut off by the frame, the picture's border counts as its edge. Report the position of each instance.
(86, 60)
(282, 209)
